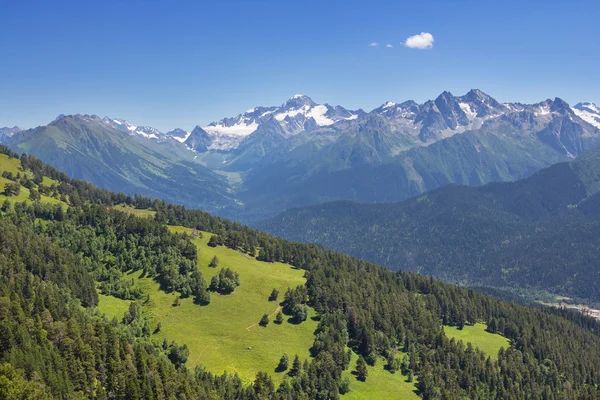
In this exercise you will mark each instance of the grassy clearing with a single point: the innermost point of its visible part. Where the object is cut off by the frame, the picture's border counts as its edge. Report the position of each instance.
(489, 343)
(112, 307)
(135, 211)
(14, 165)
(380, 384)
(10, 164)
(225, 335)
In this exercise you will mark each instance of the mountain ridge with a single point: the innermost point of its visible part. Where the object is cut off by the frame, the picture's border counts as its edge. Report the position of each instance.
(303, 153)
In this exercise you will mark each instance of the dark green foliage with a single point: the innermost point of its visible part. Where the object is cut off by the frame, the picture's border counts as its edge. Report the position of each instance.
(264, 321)
(12, 189)
(279, 318)
(299, 313)
(361, 369)
(5, 205)
(284, 362)
(214, 262)
(225, 281)
(274, 295)
(296, 366)
(34, 195)
(393, 363)
(214, 241)
(178, 354)
(345, 385)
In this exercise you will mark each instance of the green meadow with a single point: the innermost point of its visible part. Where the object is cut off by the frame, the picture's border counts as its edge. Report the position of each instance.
(489, 343)
(380, 383)
(225, 335)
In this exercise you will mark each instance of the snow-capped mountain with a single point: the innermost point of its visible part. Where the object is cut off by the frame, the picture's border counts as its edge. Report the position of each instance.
(178, 134)
(298, 114)
(589, 112)
(301, 152)
(128, 127)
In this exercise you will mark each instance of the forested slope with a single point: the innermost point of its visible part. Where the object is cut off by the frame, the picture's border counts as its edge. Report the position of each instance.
(542, 232)
(54, 344)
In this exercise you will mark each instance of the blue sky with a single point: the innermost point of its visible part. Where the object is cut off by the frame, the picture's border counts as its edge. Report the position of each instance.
(181, 63)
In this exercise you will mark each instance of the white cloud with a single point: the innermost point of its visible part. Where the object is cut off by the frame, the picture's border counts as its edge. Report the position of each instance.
(389, 46)
(373, 44)
(424, 40)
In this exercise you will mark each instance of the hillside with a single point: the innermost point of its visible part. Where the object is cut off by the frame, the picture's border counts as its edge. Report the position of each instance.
(86, 147)
(537, 233)
(369, 330)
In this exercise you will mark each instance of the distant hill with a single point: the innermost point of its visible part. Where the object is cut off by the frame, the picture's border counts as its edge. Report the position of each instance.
(542, 232)
(89, 148)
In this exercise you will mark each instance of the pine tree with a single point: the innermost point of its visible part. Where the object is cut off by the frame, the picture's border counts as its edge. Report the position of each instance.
(361, 369)
(214, 262)
(296, 366)
(283, 363)
(279, 318)
(264, 321)
(274, 295)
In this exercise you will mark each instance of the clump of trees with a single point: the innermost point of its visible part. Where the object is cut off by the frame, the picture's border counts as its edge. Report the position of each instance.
(12, 189)
(294, 303)
(361, 369)
(225, 281)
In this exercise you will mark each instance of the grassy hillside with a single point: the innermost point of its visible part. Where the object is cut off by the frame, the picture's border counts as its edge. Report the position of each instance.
(225, 335)
(13, 165)
(380, 384)
(136, 211)
(489, 343)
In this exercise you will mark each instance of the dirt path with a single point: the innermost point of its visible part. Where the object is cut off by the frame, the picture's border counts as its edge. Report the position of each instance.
(273, 313)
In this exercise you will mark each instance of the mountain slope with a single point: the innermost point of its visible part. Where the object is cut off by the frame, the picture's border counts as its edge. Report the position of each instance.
(542, 232)
(371, 161)
(57, 344)
(7, 132)
(88, 148)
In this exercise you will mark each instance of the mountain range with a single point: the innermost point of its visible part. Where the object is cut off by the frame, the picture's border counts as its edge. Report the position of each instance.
(542, 232)
(269, 159)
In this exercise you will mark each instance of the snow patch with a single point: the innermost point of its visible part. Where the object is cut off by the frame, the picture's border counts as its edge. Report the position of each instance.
(589, 117)
(388, 104)
(184, 138)
(466, 107)
(544, 110)
(239, 129)
(292, 113)
(318, 113)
